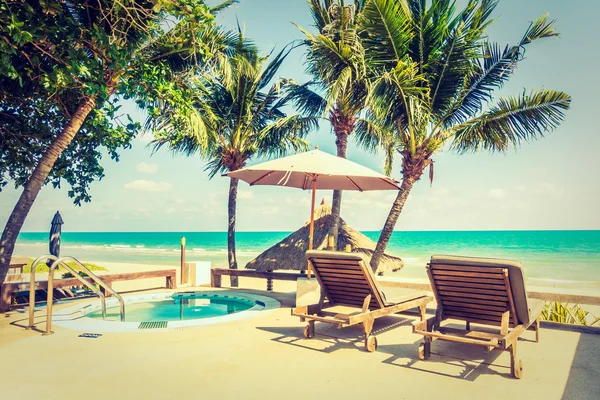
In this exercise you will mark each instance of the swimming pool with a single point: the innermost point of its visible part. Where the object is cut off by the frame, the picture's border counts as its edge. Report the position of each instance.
(164, 311)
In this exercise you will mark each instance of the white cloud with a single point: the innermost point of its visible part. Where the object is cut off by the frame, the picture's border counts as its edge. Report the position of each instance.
(269, 210)
(245, 194)
(497, 194)
(547, 190)
(147, 168)
(148, 186)
(368, 200)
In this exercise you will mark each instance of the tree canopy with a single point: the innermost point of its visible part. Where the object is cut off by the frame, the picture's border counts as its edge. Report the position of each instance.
(54, 53)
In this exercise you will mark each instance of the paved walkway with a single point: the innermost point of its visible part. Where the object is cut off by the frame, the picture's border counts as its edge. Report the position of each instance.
(267, 358)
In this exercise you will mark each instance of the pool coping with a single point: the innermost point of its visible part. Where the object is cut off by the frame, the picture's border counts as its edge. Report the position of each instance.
(75, 317)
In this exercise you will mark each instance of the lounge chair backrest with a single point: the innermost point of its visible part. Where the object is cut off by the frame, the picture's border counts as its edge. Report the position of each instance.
(345, 278)
(479, 288)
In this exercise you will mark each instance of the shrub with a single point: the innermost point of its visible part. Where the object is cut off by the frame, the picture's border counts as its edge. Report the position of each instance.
(42, 267)
(564, 313)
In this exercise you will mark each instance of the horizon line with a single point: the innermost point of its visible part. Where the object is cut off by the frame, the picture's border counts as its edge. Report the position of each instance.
(288, 231)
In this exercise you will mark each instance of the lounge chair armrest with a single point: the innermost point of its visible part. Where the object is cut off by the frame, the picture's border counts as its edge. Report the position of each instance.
(307, 310)
(425, 325)
(303, 310)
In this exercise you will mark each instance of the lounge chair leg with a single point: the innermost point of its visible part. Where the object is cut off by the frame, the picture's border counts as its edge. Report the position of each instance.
(468, 326)
(516, 365)
(309, 330)
(425, 349)
(370, 341)
(537, 330)
(423, 310)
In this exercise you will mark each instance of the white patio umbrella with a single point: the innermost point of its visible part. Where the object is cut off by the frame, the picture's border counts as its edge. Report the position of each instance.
(314, 170)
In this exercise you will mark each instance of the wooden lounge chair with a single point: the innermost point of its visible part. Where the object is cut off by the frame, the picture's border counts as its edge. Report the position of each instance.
(482, 291)
(353, 296)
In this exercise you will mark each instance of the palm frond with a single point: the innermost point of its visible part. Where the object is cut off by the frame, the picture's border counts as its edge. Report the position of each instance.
(512, 121)
(285, 134)
(447, 69)
(390, 151)
(305, 100)
(371, 135)
(385, 29)
(222, 6)
(273, 66)
(320, 12)
(494, 68)
(390, 93)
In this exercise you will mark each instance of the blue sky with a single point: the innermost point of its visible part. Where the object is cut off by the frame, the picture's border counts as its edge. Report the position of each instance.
(548, 184)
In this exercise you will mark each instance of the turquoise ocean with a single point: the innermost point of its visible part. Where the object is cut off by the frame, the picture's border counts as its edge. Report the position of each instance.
(551, 258)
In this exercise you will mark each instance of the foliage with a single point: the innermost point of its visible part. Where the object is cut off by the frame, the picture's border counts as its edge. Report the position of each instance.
(54, 54)
(42, 267)
(27, 127)
(335, 60)
(68, 275)
(238, 113)
(564, 313)
(434, 74)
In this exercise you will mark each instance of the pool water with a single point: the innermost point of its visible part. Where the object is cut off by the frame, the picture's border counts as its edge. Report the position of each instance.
(177, 308)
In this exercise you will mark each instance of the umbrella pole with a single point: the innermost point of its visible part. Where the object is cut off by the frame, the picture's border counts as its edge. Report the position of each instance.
(312, 222)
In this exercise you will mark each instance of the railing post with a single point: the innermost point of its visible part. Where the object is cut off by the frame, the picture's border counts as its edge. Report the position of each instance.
(215, 278)
(50, 300)
(182, 270)
(32, 287)
(31, 295)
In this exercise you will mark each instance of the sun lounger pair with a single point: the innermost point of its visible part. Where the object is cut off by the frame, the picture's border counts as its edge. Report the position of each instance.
(487, 292)
(353, 296)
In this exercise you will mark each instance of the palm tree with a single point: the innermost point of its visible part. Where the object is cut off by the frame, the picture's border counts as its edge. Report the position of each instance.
(335, 61)
(239, 114)
(435, 72)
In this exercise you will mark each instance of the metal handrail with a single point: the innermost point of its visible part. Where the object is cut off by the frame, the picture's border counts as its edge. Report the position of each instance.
(62, 262)
(51, 290)
(90, 274)
(100, 282)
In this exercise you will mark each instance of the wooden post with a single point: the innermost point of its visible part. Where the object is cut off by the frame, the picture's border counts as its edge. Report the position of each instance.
(215, 279)
(348, 248)
(330, 243)
(312, 221)
(182, 259)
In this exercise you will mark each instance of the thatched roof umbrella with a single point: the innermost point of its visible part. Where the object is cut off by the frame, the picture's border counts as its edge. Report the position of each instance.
(289, 253)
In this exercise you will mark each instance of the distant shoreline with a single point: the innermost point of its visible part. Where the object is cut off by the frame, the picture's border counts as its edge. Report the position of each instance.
(551, 258)
(368, 231)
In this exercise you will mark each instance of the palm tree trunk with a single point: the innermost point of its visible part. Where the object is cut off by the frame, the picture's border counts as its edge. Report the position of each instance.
(37, 180)
(336, 204)
(233, 187)
(390, 223)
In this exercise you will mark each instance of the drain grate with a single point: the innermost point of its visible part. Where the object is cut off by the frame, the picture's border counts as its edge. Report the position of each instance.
(153, 325)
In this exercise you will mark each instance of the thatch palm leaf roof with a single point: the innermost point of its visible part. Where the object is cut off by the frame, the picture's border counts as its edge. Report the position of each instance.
(289, 253)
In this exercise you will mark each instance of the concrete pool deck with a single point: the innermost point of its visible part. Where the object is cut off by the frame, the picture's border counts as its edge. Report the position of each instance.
(266, 357)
